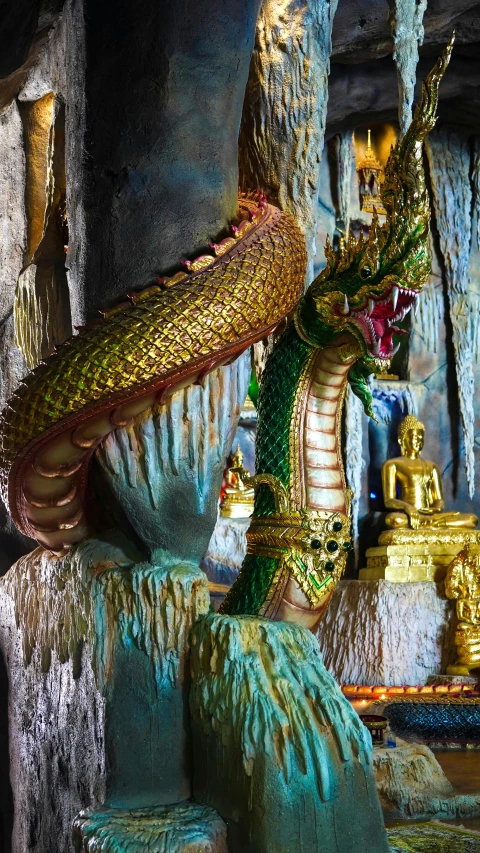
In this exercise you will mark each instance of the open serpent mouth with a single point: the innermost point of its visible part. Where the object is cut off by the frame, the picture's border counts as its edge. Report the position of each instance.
(376, 319)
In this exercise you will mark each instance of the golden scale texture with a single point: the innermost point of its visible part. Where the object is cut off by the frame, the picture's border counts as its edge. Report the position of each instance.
(180, 328)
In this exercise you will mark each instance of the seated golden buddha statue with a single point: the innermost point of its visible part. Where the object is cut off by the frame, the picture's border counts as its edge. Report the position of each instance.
(412, 486)
(421, 537)
(239, 498)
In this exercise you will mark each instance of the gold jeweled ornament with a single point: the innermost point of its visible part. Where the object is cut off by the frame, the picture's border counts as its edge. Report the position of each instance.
(310, 546)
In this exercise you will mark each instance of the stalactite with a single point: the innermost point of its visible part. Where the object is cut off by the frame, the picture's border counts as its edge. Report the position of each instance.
(355, 462)
(345, 156)
(284, 117)
(42, 305)
(449, 159)
(389, 396)
(429, 311)
(193, 431)
(428, 314)
(406, 18)
(475, 295)
(476, 186)
(475, 325)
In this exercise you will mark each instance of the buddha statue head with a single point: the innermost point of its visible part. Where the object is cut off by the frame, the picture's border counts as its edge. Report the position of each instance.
(411, 436)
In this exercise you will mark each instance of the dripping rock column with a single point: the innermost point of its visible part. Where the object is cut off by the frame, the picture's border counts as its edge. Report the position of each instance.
(98, 693)
(278, 750)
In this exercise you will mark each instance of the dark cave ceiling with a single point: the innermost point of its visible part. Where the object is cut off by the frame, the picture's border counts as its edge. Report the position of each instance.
(363, 86)
(363, 83)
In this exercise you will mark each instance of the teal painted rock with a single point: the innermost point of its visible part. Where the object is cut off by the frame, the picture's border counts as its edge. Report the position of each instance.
(278, 750)
(186, 828)
(96, 648)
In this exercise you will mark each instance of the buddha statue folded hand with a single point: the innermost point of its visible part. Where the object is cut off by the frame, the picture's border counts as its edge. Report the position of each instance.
(421, 537)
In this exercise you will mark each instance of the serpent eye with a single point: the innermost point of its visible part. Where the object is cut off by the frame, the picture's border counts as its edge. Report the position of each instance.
(365, 272)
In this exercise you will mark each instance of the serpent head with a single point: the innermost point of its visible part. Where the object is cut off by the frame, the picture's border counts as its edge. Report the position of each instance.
(370, 284)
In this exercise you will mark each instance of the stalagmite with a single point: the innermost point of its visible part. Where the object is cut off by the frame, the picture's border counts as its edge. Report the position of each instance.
(276, 751)
(284, 116)
(449, 159)
(406, 18)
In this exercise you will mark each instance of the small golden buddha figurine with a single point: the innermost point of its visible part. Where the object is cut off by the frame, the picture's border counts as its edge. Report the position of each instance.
(412, 486)
(462, 583)
(239, 498)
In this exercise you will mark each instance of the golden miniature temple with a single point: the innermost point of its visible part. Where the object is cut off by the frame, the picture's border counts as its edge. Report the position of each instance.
(370, 175)
(422, 538)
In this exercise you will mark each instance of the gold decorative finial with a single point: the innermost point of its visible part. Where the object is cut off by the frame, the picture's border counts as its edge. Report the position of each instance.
(370, 175)
(369, 160)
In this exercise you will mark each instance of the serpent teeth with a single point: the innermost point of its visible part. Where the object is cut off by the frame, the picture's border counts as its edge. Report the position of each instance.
(394, 297)
(371, 306)
(345, 308)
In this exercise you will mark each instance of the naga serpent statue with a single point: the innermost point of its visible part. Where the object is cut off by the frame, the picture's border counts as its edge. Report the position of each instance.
(174, 332)
(342, 331)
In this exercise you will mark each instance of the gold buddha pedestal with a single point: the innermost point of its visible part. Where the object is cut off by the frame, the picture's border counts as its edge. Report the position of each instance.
(422, 538)
(239, 498)
(462, 583)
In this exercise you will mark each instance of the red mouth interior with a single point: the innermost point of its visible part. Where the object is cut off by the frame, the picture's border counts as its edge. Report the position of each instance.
(377, 318)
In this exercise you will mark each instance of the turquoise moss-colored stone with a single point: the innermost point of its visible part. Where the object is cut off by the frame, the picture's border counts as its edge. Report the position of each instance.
(278, 750)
